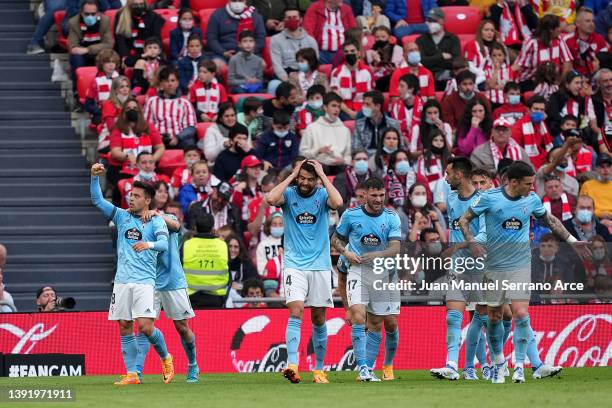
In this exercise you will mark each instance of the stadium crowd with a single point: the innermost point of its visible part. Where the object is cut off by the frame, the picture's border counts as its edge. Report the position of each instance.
(215, 101)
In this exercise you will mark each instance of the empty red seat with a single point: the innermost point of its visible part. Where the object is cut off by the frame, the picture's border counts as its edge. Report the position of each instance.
(267, 57)
(170, 161)
(439, 96)
(84, 76)
(170, 17)
(201, 129)
(461, 19)
(204, 17)
(205, 4)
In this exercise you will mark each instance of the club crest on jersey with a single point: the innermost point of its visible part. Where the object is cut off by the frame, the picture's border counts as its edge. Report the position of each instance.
(512, 224)
(306, 218)
(524, 210)
(370, 240)
(133, 234)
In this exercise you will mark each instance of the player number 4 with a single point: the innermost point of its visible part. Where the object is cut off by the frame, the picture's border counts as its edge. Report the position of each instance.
(288, 280)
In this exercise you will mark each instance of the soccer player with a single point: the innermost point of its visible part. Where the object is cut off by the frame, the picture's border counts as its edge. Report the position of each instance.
(463, 194)
(372, 232)
(307, 262)
(138, 245)
(507, 211)
(171, 294)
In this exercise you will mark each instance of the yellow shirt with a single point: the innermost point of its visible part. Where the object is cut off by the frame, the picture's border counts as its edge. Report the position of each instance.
(564, 9)
(601, 193)
(483, 5)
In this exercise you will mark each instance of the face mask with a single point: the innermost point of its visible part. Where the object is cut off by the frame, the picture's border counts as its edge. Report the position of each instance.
(191, 162)
(466, 96)
(537, 117)
(560, 169)
(434, 248)
(122, 98)
(408, 96)
(437, 150)
(599, 254)
(402, 167)
(329, 118)
(186, 24)
(361, 167)
(547, 258)
(146, 175)
(380, 44)
(389, 150)
(351, 59)
(316, 105)
(367, 112)
(418, 201)
(514, 99)
(434, 28)
(237, 7)
(277, 232)
(90, 20)
(131, 115)
(584, 216)
(138, 10)
(292, 24)
(280, 133)
(429, 121)
(303, 66)
(414, 58)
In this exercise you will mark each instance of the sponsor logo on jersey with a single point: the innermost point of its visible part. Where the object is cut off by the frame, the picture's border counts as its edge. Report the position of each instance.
(133, 234)
(455, 224)
(370, 240)
(306, 218)
(512, 224)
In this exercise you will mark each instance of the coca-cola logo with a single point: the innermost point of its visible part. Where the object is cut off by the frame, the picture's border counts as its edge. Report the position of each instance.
(27, 339)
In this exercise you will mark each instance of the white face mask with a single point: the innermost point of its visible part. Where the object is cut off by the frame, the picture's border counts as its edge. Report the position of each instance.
(434, 28)
(122, 98)
(146, 175)
(419, 201)
(237, 7)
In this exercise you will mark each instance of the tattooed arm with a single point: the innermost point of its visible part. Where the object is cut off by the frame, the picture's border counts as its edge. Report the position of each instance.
(555, 225)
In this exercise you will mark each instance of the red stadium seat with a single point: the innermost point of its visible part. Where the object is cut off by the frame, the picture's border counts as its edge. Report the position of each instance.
(350, 124)
(267, 57)
(129, 72)
(204, 17)
(221, 75)
(464, 39)
(201, 129)
(206, 4)
(527, 95)
(331, 178)
(111, 14)
(84, 76)
(58, 16)
(461, 19)
(171, 18)
(170, 161)
(326, 69)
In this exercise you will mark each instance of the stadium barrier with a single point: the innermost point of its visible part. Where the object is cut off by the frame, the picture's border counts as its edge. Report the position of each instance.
(252, 340)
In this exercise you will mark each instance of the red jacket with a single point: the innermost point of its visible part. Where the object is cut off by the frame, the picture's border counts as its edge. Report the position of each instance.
(315, 19)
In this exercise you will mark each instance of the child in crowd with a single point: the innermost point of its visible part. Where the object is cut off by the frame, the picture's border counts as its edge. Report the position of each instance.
(185, 29)
(313, 110)
(182, 175)
(206, 93)
(188, 65)
(107, 62)
(251, 117)
(147, 66)
(278, 148)
(497, 75)
(513, 110)
(245, 71)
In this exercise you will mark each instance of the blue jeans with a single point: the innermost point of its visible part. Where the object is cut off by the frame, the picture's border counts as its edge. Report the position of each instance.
(47, 21)
(409, 30)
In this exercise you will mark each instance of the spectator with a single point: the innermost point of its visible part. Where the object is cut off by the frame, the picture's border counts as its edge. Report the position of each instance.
(226, 24)
(546, 80)
(219, 206)
(240, 267)
(268, 247)
(585, 43)
(251, 117)
(272, 13)
(438, 48)
(182, 174)
(134, 23)
(497, 74)
(580, 157)
(258, 208)
(286, 99)
(229, 160)
(247, 187)
(199, 188)
(391, 142)
(145, 163)
(216, 137)
(474, 127)
(600, 189)
(371, 17)
(399, 178)
(207, 278)
(584, 225)
(602, 103)
(459, 65)
(557, 201)
(146, 68)
(557, 166)
(368, 128)
(7, 305)
(327, 139)
(351, 81)
(432, 164)
(99, 89)
(188, 65)
(453, 106)
(162, 195)
(599, 267)
(278, 148)
(308, 74)
(89, 34)
(512, 110)
(408, 16)
(206, 93)
(327, 21)
(408, 108)
(357, 172)
(245, 72)
(119, 93)
(418, 213)
(313, 110)
(46, 299)
(548, 264)
(515, 21)
(37, 45)
(532, 133)
(545, 46)
(285, 46)
(178, 37)
(477, 52)
(253, 288)
(384, 57)
(488, 155)
(431, 119)
(414, 66)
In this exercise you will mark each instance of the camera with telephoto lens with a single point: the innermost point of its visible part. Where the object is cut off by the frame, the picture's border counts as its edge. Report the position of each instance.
(65, 302)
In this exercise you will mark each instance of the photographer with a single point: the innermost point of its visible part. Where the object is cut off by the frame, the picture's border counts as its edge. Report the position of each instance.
(47, 300)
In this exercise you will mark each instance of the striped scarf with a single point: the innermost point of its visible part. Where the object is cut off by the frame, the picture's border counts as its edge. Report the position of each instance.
(511, 151)
(529, 139)
(399, 112)
(512, 27)
(566, 212)
(91, 35)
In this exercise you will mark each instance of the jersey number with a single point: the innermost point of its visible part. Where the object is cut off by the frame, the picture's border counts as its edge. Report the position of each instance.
(205, 263)
(288, 280)
(351, 284)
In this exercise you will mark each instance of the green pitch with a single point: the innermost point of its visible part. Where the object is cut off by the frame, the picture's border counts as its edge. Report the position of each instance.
(578, 387)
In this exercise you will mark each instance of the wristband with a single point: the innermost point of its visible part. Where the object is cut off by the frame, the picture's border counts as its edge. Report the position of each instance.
(571, 239)
(150, 245)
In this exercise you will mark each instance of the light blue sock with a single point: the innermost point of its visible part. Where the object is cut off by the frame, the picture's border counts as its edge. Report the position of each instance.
(481, 350)
(495, 335)
(472, 340)
(521, 338)
(453, 334)
(143, 350)
(391, 341)
(129, 349)
(358, 337)
(319, 342)
(190, 350)
(159, 344)
(507, 329)
(532, 348)
(292, 339)
(373, 340)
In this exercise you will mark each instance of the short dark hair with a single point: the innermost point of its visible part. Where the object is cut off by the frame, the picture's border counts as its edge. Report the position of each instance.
(502, 166)
(148, 188)
(281, 117)
(291, 8)
(374, 183)
(426, 231)
(518, 170)
(284, 90)
(208, 64)
(238, 129)
(307, 167)
(315, 90)
(204, 223)
(91, 3)
(246, 34)
(310, 55)
(250, 104)
(351, 42)
(195, 37)
(568, 118)
(153, 40)
(467, 74)
(511, 86)
(480, 172)
(412, 82)
(537, 98)
(143, 154)
(357, 151)
(190, 148)
(165, 72)
(462, 164)
(251, 283)
(331, 97)
(377, 97)
(548, 237)
(381, 28)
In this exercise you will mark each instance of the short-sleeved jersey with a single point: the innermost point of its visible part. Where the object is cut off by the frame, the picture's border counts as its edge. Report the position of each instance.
(170, 273)
(368, 232)
(306, 230)
(456, 206)
(507, 221)
(132, 266)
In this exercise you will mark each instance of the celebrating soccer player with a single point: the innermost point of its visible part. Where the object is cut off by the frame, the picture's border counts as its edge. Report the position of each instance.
(507, 211)
(307, 262)
(373, 233)
(138, 246)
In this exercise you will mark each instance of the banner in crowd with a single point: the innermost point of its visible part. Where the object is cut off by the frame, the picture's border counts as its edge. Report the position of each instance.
(252, 340)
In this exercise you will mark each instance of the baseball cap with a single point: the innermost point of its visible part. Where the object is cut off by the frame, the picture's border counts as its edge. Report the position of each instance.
(276, 214)
(250, 161)
(224, 190)
(604, 158)
(44, 288)
(502, 122)
(436, 14)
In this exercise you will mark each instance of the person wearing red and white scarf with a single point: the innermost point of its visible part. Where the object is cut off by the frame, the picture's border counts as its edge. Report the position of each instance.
(99, 89)
(556, 201)
(146, 173)
(585, 43)
(569, 102)
(515, 20)
(182, 174)
(352, 80)
(497, 74)
(413, 65)
(135, 23)
(206, 93)
(407, 109)
(532, 134)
